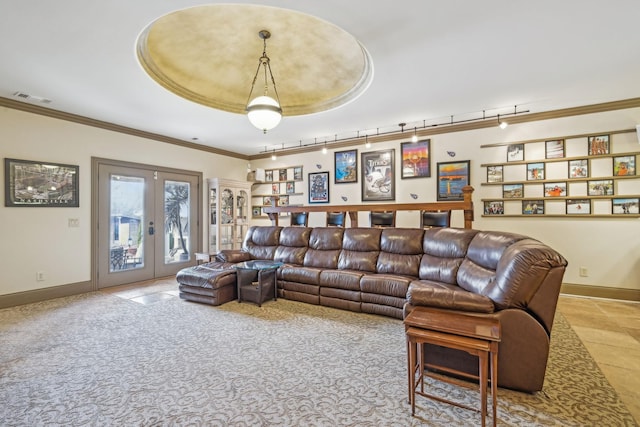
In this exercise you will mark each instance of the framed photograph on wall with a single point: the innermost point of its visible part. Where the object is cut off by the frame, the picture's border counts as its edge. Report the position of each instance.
(256, 211)
(535, 171)
(297, 173)
(601, 187)
(555, 189)
(268, 176)
(378, 175)
(318, 187)
(554, 149)
(579, 168)
(494, 207)
(599, 145)
(624, 165)
(578, 207)
(626, 206)
(533, 207)
(346, 166)
(452, 177)
(291, 187)
(512, 191)
(515, 153)
(416, 160)
(30, 183)
(282, 174)
(494, 173)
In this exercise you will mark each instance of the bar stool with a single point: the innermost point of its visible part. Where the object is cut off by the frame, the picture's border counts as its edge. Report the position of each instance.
(335, 219)
(382, 218)
(476, 335)
(299, 219)
(430, 219)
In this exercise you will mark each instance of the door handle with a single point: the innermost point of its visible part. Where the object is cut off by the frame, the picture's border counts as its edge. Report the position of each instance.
(151, 229)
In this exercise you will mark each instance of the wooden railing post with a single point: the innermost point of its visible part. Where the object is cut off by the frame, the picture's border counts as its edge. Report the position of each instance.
(467, 192)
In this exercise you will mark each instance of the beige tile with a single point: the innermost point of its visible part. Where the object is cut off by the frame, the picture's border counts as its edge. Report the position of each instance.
(614, 356)
(625, 381)
(602, 336)
(592, 320)
(617, 308)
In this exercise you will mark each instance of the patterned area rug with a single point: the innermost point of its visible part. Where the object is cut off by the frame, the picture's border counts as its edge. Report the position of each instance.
(99, 360)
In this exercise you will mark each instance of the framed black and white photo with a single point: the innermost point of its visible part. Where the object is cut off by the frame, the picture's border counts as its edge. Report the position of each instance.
(515, 153)
(378, 175)
(318, 187)
(30, 183)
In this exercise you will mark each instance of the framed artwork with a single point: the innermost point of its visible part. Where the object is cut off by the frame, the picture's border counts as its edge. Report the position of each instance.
(555, 189)
(578, 207)
(291, 187)
(533, 207)
(282, 174)
(256, 211)
(266, 201)
(578, 168)
(268, 176)
(554, 149)
(602, 187)
(378, 175)
(494, 173)
(535, 171)
(624, 165)
(515, 153)
(283, 201)
(297, 173)
(512, 191)
(452, 177)
(346, 166)
(416, 160)
(275, 188)
(318, 187)
(599, 145)
(494, 208)
(626, 206)
(30, 183)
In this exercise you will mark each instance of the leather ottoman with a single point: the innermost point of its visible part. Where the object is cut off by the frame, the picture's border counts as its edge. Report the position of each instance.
(212, 283)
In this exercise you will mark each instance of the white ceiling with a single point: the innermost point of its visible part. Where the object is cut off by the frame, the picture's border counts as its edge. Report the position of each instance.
(432, 59)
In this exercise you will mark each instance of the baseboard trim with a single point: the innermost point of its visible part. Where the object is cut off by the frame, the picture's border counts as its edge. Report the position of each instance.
(601, 292)
(37, 295)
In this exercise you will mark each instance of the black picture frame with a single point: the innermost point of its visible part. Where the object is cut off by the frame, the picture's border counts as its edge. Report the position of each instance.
(495, 173)
(533, 207)
(624, 165)
(554, 149)
(416, 159)
(319, 187)
(625, 206)
(535, 171)
(512, 191)
(30, 183)
(599, 144)
(345, 166)
(378, 175)
(451, 178)
(578, 168)
(515, 153)
(494, 207)
(578, 206)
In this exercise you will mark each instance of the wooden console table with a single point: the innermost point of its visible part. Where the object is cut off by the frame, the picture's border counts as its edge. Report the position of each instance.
(352, 210)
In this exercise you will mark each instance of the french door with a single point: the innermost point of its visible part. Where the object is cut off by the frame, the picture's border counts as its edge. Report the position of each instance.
(146, 221)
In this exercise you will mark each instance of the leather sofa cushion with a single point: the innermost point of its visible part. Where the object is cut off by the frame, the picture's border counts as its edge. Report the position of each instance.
(261, 242)
(452, 297)
(291, 255)
(296, 273)
(400, 251)
(342, 279)
(233, 256)
(405, 265)
(295, 236)
(323, 259)
(326, 238)
(361, 239)
(385, 284)
(355, 260)
(444, 249)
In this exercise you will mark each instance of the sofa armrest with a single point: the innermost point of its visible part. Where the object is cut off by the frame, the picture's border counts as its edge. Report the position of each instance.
(443, 295)
(234, 256)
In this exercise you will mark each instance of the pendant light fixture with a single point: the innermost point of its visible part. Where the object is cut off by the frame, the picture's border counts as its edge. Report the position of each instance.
(264, 112)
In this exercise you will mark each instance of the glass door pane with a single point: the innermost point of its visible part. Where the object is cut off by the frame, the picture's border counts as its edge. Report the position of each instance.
(177, 202)
(126, 219)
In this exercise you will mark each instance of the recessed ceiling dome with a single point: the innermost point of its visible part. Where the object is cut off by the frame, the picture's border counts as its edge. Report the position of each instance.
(209, 55)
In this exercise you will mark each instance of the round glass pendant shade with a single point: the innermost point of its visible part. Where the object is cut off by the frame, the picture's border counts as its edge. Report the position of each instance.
(264, 113)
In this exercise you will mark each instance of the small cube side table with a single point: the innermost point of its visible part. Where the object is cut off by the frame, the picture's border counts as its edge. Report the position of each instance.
(475, 334)
(257, 281)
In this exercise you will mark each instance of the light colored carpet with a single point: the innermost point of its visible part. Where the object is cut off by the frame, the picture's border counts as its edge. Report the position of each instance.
(99, 360)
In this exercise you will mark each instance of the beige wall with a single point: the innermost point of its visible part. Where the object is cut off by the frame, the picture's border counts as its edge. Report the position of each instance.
(40, 239)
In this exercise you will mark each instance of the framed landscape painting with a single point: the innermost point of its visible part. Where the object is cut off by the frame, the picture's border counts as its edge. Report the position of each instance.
(415, 159)
(30, 183)
(346, 166)
(452, 177)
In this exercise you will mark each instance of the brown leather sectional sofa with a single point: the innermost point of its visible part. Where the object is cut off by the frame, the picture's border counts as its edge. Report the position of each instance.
(389, 271)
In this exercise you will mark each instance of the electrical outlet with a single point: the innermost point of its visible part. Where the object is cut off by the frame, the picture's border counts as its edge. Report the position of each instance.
(584, 272)
(40, 276)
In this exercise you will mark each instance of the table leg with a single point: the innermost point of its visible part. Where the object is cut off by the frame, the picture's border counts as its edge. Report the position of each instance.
(494, 381)
(483, 360)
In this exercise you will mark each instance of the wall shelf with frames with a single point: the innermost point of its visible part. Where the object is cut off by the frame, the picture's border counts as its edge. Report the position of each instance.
(583, 176)
(283, 184)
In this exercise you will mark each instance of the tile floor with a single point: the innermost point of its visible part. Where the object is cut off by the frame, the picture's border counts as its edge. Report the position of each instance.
(609, 329)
